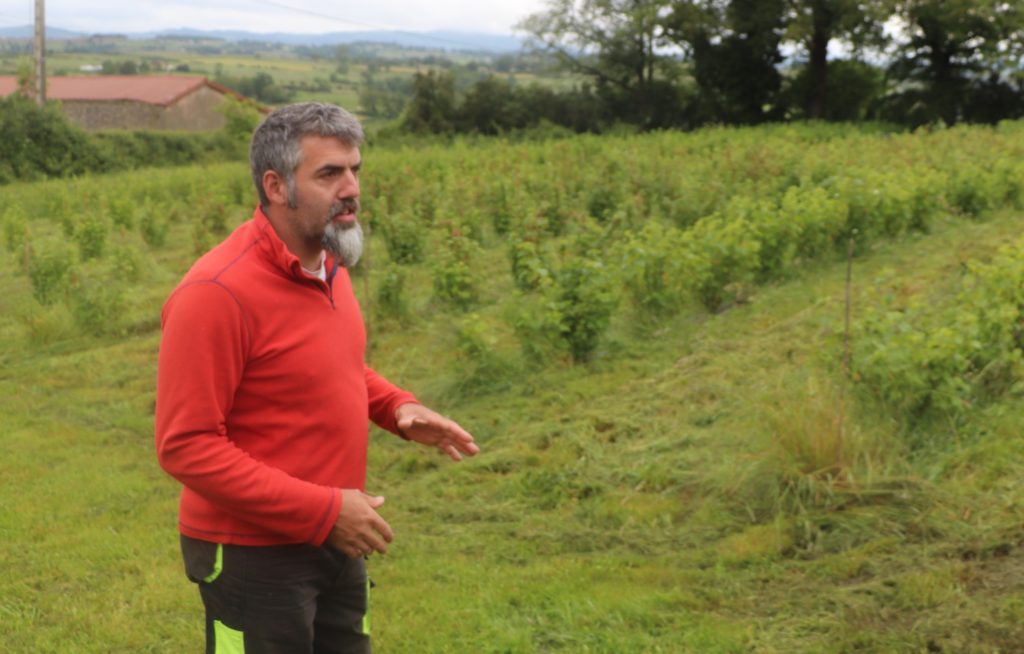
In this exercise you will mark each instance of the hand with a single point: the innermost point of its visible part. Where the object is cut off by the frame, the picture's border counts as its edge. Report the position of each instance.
(418, 423)
(359, 530)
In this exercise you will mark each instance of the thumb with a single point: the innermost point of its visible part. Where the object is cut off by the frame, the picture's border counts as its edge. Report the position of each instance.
(374, 501)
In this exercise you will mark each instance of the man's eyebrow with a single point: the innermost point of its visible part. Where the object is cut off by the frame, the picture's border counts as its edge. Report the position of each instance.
(332, 168)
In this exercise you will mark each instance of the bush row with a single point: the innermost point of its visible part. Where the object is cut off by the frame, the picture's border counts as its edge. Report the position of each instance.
(548, 237)
(925, 360)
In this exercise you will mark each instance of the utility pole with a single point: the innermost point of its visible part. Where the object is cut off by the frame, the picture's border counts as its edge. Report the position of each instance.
(40, 52)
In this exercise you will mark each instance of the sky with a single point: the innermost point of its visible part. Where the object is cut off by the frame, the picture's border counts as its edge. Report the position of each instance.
(298, 16)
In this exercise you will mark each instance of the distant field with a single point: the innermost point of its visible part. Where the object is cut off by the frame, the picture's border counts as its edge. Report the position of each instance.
(286, 69)
(645, 333)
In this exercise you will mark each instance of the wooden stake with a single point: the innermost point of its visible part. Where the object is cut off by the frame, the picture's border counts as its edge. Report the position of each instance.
(841, 433)
(39, 45)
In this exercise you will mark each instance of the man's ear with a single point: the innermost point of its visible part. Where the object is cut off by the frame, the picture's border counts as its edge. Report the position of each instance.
(276, 188)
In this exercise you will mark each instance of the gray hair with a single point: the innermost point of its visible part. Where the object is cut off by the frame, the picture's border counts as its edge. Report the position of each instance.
(275, 143)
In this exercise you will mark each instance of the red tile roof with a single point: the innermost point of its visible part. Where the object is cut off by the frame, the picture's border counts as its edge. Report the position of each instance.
(162, 90)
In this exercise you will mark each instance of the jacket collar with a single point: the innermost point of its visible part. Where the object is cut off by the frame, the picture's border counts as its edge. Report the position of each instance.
(278, 254)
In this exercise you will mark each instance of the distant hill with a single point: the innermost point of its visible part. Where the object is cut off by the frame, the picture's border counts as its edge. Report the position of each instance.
(448, 40)
(26, 32)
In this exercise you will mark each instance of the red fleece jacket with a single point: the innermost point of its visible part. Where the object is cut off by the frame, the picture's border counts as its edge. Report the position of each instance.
(263, 396)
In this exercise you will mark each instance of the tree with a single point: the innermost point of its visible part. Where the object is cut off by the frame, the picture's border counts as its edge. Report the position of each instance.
(854, 90)
(955, 50)
(619, 45)
(384, 99)
(815, 24)
(260, 86)
(432, 107)
(734, 47)
(489, 107)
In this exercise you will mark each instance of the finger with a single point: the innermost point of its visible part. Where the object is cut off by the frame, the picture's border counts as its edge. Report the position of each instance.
(377, 535)
(451, 451)
(469, 449)
(381, 527)
(374, 543)
(352, 551)
(456, 431)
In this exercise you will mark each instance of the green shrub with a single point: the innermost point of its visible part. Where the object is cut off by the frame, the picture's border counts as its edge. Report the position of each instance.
(528, 268)
(153, 225)
(126, 263)
(97, 301)
(586, 301)
(122, 212)
(819, 220)
(202, 239)
(15, 227)
(38, 142)
(500, 208)
(944, 360)
(455, 279)
(127, 149)
(974, 189)
(50, 263)
(727, 256)
(656, 267)
(91, 235)
(391, 296)
(403, 236)
(538, 325)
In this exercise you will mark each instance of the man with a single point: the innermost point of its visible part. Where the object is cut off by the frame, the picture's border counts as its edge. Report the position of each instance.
(263, 402)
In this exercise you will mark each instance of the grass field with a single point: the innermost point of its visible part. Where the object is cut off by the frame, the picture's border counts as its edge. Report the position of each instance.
(658, 497)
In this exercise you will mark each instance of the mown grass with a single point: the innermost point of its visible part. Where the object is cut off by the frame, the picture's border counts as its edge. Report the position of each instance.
(675, 494)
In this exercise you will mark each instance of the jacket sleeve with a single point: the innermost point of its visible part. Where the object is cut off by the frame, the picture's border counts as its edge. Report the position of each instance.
(203, 351)
(385, 398)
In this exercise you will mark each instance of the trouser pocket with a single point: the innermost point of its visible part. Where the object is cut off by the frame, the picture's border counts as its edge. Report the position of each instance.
(204, 560)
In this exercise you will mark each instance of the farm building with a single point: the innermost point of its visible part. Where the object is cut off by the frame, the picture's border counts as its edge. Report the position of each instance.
(161, 102)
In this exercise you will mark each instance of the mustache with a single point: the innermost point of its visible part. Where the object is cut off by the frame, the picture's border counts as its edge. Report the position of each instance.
(345, 205)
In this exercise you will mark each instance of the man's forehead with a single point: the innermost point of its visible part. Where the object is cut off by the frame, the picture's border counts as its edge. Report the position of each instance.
(315, 149)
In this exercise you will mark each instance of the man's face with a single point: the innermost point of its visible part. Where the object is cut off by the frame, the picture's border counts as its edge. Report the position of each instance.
(325, 197)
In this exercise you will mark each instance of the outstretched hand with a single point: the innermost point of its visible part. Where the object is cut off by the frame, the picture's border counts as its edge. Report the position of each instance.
(418, 423)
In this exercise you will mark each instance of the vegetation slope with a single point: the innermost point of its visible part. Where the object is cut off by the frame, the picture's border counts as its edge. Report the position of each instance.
(700, 476)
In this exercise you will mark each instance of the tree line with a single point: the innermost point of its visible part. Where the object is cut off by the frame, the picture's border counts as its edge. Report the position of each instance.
(660, 64)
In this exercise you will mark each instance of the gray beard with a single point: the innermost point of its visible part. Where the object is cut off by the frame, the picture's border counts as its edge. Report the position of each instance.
(344, 244)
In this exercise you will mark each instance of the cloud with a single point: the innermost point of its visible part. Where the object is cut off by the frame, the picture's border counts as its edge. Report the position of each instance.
(276, 15)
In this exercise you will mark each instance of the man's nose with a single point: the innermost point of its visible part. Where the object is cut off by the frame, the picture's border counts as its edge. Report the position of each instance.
(350, 185)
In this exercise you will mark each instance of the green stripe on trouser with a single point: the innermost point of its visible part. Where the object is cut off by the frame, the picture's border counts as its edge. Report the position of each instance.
(366, 616)
(227, 640)
(218, 565)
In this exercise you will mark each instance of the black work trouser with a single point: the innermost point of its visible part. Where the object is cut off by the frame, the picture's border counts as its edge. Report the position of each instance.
(281, 599)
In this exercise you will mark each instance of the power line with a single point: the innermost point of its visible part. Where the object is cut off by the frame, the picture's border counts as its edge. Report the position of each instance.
(357, 23)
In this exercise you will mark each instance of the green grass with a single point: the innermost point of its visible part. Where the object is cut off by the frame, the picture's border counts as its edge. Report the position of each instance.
(665, 497)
